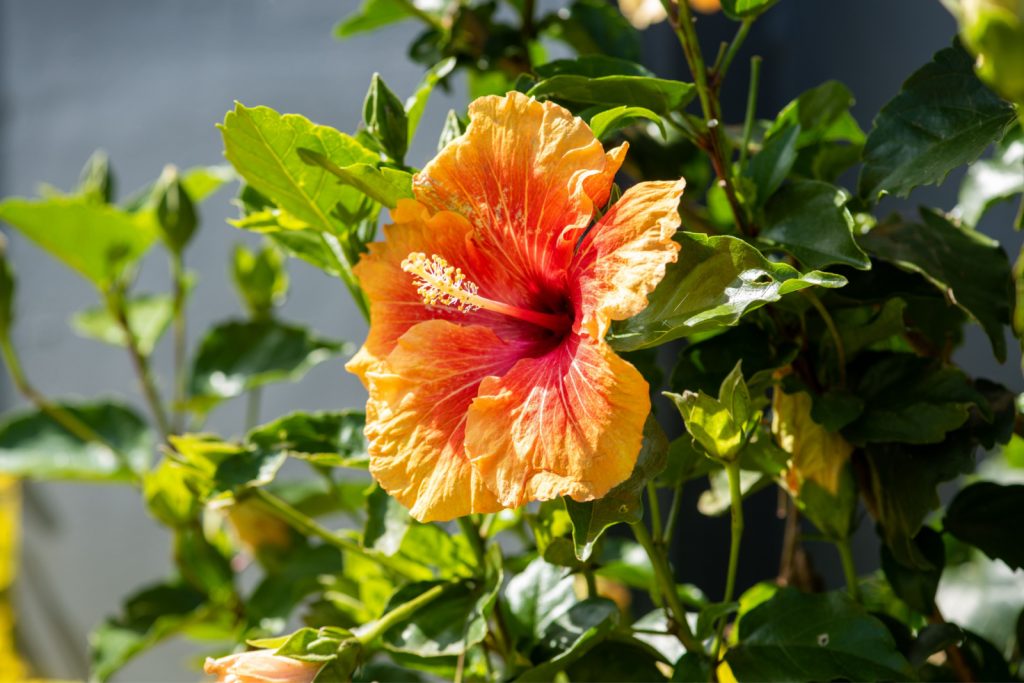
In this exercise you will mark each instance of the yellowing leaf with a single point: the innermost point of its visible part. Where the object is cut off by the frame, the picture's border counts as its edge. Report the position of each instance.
(815, 453)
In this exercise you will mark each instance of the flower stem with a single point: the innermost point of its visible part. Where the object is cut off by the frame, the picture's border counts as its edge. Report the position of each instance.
(180, 327)
(748, 119)
(119, 311)
(63, 417)
(376, 629)
(306, 525)
(673, 515)
(667, 587)
(849, 568)
(652, 501)
(722, 67)
(732, 469)
(252, 407)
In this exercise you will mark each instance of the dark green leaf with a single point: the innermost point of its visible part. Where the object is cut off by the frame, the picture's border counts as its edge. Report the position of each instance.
(594, 27)
(593, 66)
(534, 598)
(800, 637)
(237, 356)
(993, 180)
(570, 636)
(990, 517)
(685, 462)
(332, 439)
(97, 241)
(772, 164)
(387, 520)
(744, 9)
(175, 211)
(809, 219)
(623, 503)
(713, 284)
(910, 399)
(373, 14)
(931, 639)
(33, 445)
(969, 268)
(655, 94)
(608, 122)
(944, 117)
(917, 586)
(616, 660)
(822, 114)
(385, 119)
(703, 365)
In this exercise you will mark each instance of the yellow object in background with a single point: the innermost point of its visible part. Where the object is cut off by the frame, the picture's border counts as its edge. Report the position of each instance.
(11, 666)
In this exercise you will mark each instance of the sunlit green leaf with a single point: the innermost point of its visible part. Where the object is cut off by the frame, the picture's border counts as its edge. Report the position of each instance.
(332, 439)
(655, 94)
(148, 317)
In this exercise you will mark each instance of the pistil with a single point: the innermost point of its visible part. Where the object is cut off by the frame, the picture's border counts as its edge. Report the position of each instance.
(441, 284)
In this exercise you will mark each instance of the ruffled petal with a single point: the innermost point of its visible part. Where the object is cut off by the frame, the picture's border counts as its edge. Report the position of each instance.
(527, 175)
(566, 423)
(623, 258)
(395, 306)
(416, 417)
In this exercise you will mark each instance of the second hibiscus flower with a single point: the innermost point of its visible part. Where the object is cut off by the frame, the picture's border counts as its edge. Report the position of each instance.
(490, 382)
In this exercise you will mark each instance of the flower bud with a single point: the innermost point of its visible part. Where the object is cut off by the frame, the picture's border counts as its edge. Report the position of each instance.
(260, 666)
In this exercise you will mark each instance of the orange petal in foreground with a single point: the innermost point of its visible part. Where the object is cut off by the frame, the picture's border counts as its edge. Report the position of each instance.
(490, 382)
(260, 666)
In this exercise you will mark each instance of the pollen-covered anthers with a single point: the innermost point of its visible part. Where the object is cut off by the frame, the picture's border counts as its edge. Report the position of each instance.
(439, 283)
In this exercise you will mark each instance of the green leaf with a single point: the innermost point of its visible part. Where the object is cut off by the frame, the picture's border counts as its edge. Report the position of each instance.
(704, 365)
(570, 636)
(235, 357)
(617, 660)
(944, 117)
(713, 284)
(97, 241)
(417, 103)
(374, 14)
(809, 219)
(33, 445)
(594, 27)
(330, 439)
(769, 167)
(623, 502)
(149, 616)
(148, 316)
(606, 123)
(711, 424)
(745, 9)
(453, 128)
(910, 399)
(263, 146)
(801, 637)
(168, 494)
(96, 183)
(385, 119)
(318, 249)
(593, 66)
(384, 185)
(447, 626)
(260, 278)
(992, 180)
(534, 599)
(655, 94)
(822, 114)
(387, 520)
(916, 586)
(972, 270)
(685, 462)
(990, 517)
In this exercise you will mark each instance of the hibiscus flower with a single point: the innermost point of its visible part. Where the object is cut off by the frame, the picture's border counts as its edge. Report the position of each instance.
(490, 381)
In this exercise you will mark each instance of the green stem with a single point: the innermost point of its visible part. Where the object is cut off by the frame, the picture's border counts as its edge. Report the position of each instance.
(667, 587)
(337, 255)
(66, 419)
(732, 469)
(673, 515)
(652, 501)
(116, 304)
(180, 327)
(375, 629)
(734, 47)
(252, 408)
(588, 574)
(849, 569)
(748, 119)
(306, 525)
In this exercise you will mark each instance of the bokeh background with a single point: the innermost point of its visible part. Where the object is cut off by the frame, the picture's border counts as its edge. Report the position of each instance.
(147, 81)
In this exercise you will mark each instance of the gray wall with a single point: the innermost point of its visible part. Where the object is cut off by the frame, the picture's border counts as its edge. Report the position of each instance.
(147, 81)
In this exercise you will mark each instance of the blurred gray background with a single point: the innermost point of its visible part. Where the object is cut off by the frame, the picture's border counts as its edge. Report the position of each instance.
(148, 80)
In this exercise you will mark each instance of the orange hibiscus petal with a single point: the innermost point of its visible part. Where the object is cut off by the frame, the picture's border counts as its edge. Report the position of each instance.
(395, 305)
(623, 258)
(526, 174)
(416, 417)
(566, 423)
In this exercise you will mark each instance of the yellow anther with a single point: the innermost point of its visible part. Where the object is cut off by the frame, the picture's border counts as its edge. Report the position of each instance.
(441, 284)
